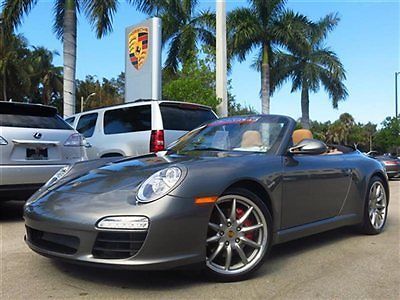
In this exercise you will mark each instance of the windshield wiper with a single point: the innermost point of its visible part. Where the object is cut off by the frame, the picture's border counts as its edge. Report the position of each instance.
(206, 149)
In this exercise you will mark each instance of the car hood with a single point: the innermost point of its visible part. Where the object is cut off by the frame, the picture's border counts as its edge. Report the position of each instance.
(129, 173)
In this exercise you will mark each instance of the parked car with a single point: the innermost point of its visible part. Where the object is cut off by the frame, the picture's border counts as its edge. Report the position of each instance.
(219, 198)
(34, 144)
(139, 127)
(390, 162)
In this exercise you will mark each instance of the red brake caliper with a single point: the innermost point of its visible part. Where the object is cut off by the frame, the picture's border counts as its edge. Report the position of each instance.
(247, 223)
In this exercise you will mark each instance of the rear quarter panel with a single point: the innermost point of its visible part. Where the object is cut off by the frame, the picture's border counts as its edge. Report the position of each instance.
(363, 169)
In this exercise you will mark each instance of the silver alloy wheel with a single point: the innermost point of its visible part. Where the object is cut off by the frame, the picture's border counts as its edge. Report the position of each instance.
(236, 243)
(377, 205)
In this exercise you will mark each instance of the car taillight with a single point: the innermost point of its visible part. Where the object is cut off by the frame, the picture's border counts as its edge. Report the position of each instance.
(157, 141)
(3, 141)
(75, 140)
(389, 163)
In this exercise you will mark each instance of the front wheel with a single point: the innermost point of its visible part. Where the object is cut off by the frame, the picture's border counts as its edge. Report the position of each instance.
(375, 211)
(239, 236)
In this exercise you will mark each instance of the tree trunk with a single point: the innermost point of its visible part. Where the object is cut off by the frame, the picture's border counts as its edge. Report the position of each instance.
(265, 81)
(4, 86)
(69, 41)
(305, 107)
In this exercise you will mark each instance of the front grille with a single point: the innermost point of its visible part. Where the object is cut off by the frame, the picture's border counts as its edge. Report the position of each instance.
(117, 245)
(61, 243)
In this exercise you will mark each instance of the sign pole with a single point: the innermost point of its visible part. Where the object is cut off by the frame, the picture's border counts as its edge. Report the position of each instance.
(221, 59)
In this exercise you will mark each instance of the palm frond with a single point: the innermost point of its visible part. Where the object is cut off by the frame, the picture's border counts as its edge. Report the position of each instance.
(334, 87)
(14, 11)
(188, 6)
(244, 32)
(283, 67)
(172, 61)
(290, 30)
(100, 14)
(267, 10)
(150, 7)
(320, 29)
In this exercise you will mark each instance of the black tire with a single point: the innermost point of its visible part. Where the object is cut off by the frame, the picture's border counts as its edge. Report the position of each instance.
(216, 276)
(366, 226)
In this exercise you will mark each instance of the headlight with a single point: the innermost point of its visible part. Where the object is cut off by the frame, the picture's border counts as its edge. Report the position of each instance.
(60, 174)
(159, 184)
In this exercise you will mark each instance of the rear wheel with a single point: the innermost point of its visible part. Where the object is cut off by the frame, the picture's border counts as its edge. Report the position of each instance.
(239, 236)
(375, 211)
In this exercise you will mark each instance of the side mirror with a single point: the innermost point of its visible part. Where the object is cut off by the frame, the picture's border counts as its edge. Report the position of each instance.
(309, 146)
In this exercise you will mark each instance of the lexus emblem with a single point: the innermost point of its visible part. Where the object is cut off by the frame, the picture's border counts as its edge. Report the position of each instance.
(37, 135)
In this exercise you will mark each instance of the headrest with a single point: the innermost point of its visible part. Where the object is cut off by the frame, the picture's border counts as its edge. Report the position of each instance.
(251, 138)
(301, 134)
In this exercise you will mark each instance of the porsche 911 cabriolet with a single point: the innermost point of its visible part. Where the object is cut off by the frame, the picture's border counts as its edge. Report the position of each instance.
(219, 197)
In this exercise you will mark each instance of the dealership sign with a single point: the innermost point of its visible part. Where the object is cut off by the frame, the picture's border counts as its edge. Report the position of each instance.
(143, 61)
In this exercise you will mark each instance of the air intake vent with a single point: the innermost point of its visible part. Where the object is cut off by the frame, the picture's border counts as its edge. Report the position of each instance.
(118, 245)
(54, 242)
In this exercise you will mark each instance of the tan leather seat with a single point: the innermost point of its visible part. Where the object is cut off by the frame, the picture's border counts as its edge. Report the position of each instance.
(251, 138)
(301, 134)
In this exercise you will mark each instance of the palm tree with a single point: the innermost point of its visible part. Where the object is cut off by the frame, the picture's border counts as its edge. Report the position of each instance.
(183, 28)
(46, 76)
(100, 14)
(14, 67)
(263, 26)
(348, 123)
(310, 64)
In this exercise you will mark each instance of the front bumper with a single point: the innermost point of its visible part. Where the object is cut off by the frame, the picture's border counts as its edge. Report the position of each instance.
(175, 237)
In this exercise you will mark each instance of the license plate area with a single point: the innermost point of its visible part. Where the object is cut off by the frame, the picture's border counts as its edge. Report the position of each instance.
(38, 153)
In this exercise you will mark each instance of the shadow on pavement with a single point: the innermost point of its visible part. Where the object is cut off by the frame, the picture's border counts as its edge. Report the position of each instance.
(11, 211)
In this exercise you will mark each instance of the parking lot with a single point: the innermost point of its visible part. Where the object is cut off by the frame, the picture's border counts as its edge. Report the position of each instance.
(336, 264)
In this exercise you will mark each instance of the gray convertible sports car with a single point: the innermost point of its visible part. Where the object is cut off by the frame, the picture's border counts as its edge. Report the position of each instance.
(220, 197)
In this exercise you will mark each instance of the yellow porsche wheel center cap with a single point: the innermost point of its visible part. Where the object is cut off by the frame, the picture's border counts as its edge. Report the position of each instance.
(231, 234)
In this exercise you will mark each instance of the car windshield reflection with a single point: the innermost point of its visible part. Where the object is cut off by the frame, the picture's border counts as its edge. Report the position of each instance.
(239, 134)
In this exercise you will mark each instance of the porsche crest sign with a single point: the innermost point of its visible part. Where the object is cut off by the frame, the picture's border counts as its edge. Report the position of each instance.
(138, 46)
(143, 60)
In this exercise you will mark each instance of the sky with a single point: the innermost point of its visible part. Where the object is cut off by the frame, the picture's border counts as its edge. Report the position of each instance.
(367, 40)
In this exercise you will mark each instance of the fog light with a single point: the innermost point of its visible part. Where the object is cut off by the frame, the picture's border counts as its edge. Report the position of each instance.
(124, 223)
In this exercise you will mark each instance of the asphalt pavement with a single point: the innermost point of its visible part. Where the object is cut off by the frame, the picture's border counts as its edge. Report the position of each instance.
(340, 264)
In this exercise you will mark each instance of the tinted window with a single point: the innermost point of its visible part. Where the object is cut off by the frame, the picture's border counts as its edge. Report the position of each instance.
(29, 121)
(70, 121)
(86, 124)
(184, 117)
(127, 119)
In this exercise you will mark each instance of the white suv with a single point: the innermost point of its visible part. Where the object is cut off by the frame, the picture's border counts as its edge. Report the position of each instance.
(138, 127)
(34, 144)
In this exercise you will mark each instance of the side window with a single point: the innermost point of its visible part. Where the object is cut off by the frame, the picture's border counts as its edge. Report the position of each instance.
(127, 119)
(86, 124)
(70, 121)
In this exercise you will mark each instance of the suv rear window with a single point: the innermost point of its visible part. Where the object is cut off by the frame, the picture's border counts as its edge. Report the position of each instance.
(86, 124)
(127, 119)
(30, 116)
(184, 117)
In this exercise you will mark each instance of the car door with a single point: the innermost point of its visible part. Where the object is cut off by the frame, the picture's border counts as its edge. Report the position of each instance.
(314, 188)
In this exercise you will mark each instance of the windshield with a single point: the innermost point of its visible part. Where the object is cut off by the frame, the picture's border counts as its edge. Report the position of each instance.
(245, 134)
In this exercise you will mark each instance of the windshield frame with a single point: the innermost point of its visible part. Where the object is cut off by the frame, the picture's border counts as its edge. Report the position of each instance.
(279, 149)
